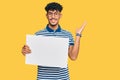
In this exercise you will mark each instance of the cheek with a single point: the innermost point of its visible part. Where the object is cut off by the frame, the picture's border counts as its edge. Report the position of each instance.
(58, 18)
(48, 17)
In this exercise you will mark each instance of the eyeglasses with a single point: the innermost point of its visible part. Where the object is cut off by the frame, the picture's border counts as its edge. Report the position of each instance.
(55, 14)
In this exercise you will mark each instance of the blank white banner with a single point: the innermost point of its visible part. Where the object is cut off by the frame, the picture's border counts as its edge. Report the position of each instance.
(47, 51)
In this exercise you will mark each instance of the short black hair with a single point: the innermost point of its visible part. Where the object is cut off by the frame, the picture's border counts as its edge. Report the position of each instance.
(53, 6)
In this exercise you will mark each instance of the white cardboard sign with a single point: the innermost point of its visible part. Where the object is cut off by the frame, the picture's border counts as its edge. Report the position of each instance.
(47, 51)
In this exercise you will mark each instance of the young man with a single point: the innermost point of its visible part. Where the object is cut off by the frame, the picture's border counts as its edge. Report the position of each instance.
(54, 29)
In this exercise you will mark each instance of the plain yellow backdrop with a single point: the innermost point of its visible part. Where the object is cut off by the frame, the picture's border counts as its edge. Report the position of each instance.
(99, 56)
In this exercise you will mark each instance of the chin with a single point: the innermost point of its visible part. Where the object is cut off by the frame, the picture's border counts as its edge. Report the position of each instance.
(53, 24)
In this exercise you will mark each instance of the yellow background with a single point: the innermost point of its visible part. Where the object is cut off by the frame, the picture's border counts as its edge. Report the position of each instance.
(99, 57)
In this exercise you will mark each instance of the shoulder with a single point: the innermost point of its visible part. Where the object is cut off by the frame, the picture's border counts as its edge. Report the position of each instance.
(41, 32)
(66, 32)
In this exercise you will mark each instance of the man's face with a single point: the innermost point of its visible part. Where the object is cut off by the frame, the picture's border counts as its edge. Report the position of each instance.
(53, 17)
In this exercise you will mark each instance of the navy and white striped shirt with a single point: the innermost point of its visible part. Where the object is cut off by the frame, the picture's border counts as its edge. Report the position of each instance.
(54, 73)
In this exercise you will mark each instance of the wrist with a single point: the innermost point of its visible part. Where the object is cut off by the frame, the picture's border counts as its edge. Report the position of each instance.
(78, 34)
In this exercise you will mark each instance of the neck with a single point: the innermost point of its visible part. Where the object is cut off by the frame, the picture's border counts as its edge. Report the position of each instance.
(53, 27)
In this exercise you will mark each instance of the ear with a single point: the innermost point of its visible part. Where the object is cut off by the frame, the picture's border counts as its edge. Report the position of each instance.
(46, 16)
(60, 15)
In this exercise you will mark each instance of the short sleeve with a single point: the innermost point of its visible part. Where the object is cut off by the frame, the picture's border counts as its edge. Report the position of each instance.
(71, 40)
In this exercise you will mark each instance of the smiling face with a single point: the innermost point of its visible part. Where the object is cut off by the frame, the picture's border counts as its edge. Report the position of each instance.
(53, 17)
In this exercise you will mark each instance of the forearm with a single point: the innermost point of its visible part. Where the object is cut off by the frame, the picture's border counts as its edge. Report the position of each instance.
(75, 50)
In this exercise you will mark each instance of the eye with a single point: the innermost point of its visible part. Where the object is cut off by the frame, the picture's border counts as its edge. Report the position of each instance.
(55, 13)
(50, 13)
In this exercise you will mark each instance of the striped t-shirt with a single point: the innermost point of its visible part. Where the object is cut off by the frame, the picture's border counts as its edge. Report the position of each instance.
(54, 73)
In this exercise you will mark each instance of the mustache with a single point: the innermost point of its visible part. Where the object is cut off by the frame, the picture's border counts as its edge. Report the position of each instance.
(53, 18)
